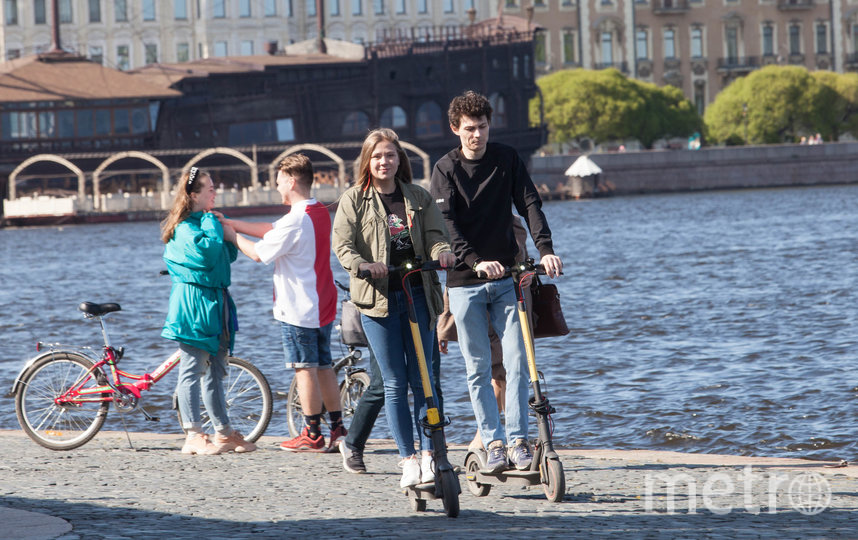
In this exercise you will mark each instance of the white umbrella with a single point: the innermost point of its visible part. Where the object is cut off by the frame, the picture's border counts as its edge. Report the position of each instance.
(583, 166)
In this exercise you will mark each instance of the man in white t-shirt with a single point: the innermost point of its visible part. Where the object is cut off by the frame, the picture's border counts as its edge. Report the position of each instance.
(305, 298)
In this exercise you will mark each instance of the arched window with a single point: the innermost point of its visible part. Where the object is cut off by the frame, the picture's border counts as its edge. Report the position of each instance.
(499, 119)
(356, 123)
(394, 117)
(429, 120)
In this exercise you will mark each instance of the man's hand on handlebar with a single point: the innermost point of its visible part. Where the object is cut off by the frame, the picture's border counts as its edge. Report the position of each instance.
(490, 269)
(376, 269)
(552, 265)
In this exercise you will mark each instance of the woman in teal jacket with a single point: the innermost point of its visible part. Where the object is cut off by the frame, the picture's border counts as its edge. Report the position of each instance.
(201, 316)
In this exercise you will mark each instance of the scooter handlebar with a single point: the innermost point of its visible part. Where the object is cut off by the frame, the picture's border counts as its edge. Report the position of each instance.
(406, 267)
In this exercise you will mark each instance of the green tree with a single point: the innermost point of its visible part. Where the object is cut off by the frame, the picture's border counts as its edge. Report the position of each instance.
(780, 106)
(605, 105)
(836, 104)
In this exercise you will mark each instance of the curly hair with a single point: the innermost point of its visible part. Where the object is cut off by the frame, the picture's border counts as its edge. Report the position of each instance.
(469, 104)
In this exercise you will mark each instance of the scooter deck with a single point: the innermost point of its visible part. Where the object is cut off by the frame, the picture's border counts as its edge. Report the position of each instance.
(512, 477)
(426, 490)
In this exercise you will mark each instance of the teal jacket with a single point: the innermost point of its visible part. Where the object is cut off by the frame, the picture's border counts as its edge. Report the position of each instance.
(198, 260)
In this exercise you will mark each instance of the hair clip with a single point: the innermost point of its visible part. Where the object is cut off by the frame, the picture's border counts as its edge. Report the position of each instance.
(192, 175)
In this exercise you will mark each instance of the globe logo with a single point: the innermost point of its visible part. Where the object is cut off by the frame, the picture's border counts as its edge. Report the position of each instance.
(809, 493)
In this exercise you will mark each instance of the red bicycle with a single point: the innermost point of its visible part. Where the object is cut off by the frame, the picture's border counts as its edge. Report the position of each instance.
(62, 395)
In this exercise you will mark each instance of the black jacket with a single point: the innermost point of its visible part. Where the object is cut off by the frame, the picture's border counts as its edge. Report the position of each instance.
(476, 199)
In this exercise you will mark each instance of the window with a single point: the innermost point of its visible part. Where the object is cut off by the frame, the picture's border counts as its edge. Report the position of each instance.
(499, 118)
(180, 9)
(335, 7)
(183, 52)
(356, 123)
(151, 53)
(422, 6)
(357, 7)
(40, 14)
(94, 11)
(641, 44)
(539, 48)
(65, 11)
(670, 43)
(148, 10)
(607, 49)
(122, 57)
(821, 38)
(244, 8)
(65, 124)
(220, 48)
(511, 4)
(700, 98)
(696, 43)
(794, 39)
(121, 122)
(12, 54)
(378, 7)
(285, 129)
(449, 7)
(102, 122)
(120, 10)
(401, 8)
(246, 48)
(768, 40)
(264, 131)
(219, 9)
(85, 127)
(11, 12)
(429, 120)
(311, 8)
(96, 54)
(732, 45)
(270, 8)
(393, 117)
(289, 11)
(568, 48)
(515, 67)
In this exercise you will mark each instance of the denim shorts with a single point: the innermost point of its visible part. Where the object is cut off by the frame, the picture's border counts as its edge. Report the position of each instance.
(306, 347)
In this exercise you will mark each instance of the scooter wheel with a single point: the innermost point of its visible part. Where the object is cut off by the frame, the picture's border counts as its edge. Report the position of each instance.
(555, 485)
(472, 467)
(450, 493)
(418, 505)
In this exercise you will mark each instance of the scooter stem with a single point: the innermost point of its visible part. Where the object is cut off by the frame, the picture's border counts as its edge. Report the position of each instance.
(432, 414)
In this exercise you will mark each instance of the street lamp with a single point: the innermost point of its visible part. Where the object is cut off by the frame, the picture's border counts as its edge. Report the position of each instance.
(745, 120)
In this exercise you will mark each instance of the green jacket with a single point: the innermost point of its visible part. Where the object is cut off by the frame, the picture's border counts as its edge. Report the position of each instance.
(361, 234)
(198, 260)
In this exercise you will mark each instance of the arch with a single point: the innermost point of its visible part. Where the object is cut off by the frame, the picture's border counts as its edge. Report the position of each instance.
(254, 169)
(423, 155)
(356, 123)
(341, 164)
(428, 122)
(165, 175)
(81, 177)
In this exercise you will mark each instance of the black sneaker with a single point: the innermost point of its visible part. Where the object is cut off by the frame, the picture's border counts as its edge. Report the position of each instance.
(352, 459)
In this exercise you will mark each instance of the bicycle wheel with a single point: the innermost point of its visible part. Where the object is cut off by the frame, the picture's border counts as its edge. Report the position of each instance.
(60, 426)
(294, 412)
(351, 390)
(248, 400)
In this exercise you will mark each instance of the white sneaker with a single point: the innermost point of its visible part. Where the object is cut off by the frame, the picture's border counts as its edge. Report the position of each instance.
(410, 471)
(427, 469)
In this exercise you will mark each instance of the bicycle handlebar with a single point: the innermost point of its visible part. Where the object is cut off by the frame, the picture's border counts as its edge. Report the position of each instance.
(407, 267)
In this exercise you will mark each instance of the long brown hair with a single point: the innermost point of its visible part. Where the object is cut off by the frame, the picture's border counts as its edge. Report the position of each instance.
(182, 203)
(362, 174)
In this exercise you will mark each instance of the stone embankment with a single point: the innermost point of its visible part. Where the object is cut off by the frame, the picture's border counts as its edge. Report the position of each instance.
(106, 490)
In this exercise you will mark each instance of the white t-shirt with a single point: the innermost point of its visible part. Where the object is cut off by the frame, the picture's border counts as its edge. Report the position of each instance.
(300, 247)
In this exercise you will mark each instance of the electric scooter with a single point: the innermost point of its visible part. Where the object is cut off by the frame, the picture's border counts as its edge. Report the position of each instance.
(546, 468)
(446, 485)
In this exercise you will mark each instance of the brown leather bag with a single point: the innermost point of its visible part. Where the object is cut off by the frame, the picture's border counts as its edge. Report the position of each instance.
(548, 320)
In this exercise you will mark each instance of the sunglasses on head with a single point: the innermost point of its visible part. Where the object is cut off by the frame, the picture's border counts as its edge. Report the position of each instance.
(192, 175)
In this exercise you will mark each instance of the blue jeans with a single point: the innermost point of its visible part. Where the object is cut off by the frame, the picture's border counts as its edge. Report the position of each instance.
(391, 343)
(306, 347)
(372, 401)
(469, 305)
(200, 372)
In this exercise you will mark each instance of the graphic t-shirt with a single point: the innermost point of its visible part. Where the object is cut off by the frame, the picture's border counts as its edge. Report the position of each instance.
(401, 246)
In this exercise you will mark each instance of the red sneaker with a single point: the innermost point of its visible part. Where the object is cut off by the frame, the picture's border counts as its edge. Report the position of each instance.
(304, 443)
(340, 431)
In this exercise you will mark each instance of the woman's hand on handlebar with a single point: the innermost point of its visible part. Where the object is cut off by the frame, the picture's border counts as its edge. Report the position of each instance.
(447, 259)
(376, 269)
(552, 265)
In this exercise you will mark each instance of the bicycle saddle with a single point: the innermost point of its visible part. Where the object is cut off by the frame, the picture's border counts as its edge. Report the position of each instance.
(96, 310)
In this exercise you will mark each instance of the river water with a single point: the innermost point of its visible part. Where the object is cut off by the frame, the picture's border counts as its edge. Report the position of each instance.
(716, 322)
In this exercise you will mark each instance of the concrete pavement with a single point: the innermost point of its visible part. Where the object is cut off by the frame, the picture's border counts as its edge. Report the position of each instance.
(105, 490)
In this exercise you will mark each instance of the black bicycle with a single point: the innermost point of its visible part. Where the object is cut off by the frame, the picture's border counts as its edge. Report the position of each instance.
(356, 379)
